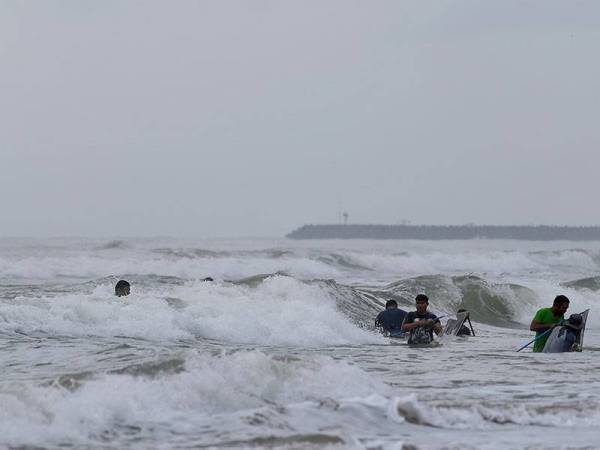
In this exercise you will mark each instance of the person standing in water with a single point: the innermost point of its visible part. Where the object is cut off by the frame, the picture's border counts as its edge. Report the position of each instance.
(546, 319)
(421, 324)
(390, 320)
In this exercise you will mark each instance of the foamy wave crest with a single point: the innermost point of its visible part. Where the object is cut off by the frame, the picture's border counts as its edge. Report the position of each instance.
(472, 261)
(433, 262)
(477, 416)
(100, 264)
(589, 283)
(249, 392)
(279, 311)
(567, 259)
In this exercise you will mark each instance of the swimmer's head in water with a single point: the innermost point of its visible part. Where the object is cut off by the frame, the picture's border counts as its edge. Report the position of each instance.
(122, 288)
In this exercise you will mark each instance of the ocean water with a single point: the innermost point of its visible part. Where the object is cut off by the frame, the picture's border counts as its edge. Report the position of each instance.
(280, 352)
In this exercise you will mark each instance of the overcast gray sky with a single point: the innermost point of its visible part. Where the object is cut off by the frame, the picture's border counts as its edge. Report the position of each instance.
(250, 118)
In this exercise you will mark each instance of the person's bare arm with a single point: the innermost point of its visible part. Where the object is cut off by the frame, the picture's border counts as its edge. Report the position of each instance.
(409, 326)
(437, 327)
(417, 323)
(541, 327)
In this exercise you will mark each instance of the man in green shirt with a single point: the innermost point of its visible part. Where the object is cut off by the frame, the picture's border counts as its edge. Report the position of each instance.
(547, 318)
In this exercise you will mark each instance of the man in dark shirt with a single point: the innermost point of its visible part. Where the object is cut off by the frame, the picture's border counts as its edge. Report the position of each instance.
(390, 320)
(421, 323)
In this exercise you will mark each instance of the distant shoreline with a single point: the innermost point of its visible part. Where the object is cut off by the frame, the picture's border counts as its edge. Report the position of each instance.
(448, 232)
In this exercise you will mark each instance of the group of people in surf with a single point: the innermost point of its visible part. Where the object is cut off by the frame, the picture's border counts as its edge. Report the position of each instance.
(419, 325)
(549, 324)
(554, 334)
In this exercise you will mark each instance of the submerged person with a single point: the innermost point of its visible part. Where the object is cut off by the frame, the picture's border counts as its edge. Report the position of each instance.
(546, 319)
(390, 320)
(122, 288)
(564, 338)
(421, 324)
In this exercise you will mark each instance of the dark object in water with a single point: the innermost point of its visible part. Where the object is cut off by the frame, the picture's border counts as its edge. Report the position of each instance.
(122, 288)
(455, 326)
(569, 336)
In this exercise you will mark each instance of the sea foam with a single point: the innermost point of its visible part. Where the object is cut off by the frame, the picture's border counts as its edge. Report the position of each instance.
(280, 311)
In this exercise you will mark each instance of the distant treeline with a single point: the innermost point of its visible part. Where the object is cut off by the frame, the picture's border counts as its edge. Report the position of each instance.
(437, 232)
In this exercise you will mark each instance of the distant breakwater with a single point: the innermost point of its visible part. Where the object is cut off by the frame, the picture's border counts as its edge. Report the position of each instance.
(441, 232)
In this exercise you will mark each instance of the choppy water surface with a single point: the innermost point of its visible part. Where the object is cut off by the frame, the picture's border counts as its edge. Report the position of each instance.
(278, 351)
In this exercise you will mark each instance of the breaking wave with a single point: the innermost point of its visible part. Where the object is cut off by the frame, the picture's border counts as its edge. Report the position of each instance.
(277, 310)
(269, 309)
(250, 392)
(92, 262)
(589, 283)
(485, 416)
(249, 398)
(499, 304)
